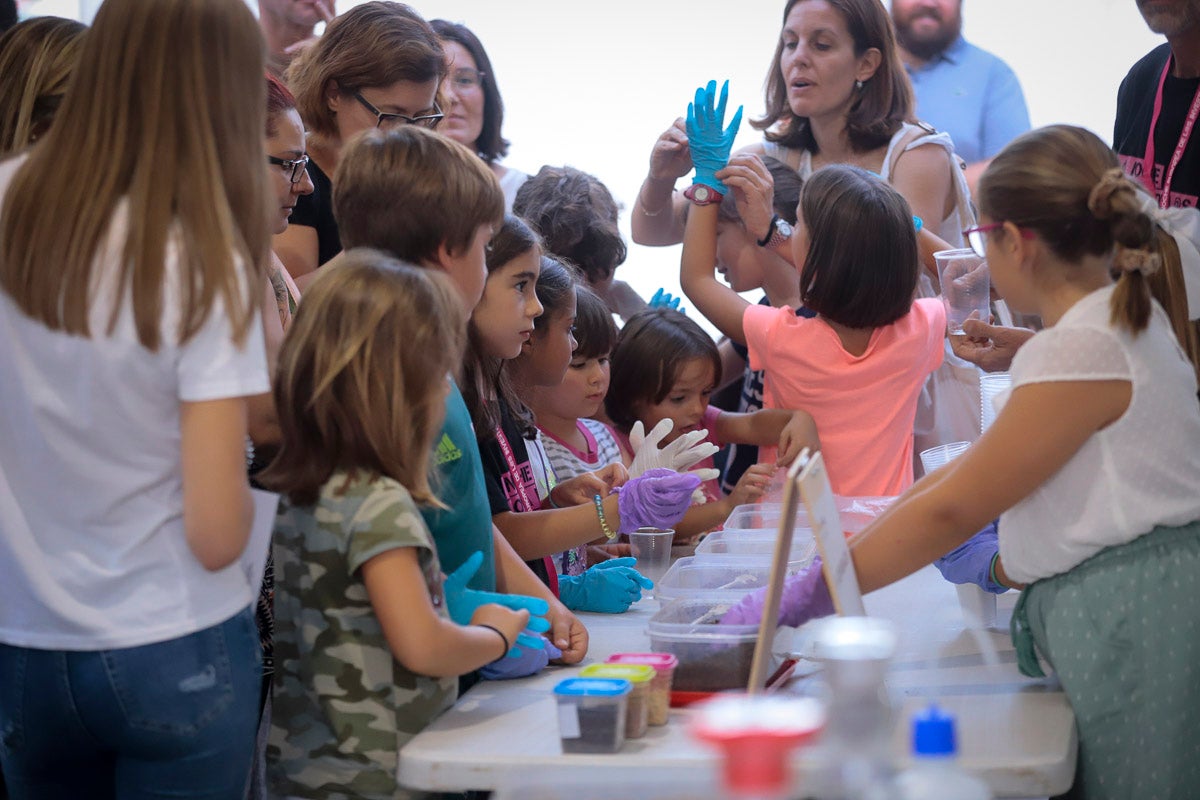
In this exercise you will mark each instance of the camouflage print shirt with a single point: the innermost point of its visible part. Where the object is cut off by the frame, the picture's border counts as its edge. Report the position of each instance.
(343, 706)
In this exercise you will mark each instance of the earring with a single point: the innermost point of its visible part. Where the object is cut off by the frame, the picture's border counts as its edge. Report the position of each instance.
(858, 85)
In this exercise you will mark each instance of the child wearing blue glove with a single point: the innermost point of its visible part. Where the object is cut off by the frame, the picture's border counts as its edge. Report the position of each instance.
(562, 405)
(860, 365)
(521, 483)
(369, 641)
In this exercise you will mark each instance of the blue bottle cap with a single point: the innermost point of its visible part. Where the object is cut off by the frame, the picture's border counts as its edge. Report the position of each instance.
(933, 733)
(593, 687)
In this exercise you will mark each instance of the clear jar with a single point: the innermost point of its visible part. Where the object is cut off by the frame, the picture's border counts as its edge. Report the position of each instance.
(641, 677)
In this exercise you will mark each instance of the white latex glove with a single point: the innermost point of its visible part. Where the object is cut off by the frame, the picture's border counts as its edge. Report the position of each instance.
(687, 450)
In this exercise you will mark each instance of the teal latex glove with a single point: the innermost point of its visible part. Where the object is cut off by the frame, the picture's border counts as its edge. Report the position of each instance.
(664, 299)
(461, 602)
(709, 140)
(610, 587)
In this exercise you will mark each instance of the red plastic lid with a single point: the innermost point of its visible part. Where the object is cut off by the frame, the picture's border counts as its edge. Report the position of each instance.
(757, 735)
(660, 661)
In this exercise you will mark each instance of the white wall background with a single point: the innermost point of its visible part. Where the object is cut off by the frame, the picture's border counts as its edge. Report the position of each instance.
(593, 84)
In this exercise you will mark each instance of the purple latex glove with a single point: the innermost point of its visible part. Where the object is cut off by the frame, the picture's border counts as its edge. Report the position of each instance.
(805, 596)
(528, 661)
(971, 561)
(657, 498)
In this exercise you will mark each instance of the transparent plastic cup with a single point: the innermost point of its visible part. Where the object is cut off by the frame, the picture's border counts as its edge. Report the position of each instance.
(966, 287)
(943, 454)
(652, 549)
(990, 385)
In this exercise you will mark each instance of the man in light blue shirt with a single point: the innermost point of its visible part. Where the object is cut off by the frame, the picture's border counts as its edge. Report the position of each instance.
(959, 88)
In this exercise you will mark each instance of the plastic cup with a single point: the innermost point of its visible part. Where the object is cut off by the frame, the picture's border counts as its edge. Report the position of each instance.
(943, 454)
(978, 606)
(991, 385)
(652, 549)
(660, 689)
(591, 714)
(641, 678)
(966, 287)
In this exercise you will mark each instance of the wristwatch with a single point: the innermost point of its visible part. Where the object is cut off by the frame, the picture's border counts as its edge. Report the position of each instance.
(779, 232)
(702, 195)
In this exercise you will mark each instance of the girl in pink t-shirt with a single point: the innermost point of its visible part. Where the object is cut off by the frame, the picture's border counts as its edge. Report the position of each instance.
(859, 365)
(665, 367)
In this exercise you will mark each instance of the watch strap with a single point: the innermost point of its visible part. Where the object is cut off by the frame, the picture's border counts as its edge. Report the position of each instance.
(766, 240)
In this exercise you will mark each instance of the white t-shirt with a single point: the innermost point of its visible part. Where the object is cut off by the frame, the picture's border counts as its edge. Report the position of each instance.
(1141, 471)
(92, 547)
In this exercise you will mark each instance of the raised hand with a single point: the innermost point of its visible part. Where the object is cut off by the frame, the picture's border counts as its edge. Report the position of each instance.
(710, 140)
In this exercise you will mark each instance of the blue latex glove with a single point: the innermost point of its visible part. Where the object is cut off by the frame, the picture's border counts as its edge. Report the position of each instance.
(709, 141)
(805, 596)
(461, 602)
(658, 498)
(609, 587)
(530, 659)
(971, 561)
(664, 299)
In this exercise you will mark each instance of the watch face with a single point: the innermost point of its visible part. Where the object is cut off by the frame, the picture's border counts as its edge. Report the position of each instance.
(702, 193)
(784, 229)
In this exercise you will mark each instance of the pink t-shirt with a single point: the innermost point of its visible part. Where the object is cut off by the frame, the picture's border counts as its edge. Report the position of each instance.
(863, 405)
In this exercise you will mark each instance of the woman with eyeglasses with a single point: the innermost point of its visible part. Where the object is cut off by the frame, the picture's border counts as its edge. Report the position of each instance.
(474, 108)
(377, 66)
(133, 247)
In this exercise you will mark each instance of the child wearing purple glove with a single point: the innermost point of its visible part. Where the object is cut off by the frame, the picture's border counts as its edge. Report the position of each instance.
(521, 484)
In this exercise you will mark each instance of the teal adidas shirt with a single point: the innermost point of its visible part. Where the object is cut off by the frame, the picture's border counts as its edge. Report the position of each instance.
(466, 524)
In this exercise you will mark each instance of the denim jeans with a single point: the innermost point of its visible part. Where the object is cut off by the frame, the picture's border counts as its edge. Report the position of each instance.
(172, 719)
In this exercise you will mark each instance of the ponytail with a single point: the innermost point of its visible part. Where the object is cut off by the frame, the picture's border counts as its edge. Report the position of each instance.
(1138, 249)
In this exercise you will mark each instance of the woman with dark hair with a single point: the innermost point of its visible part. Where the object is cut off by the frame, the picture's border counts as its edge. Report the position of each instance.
(37, 58)
(474, 109)
(377, 66)
(837, 93)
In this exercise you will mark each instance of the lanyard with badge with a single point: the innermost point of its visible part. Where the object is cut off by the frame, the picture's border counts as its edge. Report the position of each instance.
(511, 461)
(1164, 200)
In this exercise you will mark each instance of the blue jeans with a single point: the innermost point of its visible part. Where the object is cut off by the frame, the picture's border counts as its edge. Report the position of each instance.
(173, 719)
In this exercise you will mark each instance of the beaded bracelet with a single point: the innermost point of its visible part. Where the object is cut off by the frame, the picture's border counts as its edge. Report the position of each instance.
(609, 533)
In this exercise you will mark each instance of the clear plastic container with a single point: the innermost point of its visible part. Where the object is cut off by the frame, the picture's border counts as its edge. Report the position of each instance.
(660, 688)
(591, 714)
(712, 657)
(760, 545)
(637, 710)
(725, 578)
(856, 513)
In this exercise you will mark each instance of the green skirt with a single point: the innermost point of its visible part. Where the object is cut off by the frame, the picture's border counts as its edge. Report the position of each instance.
(1122, 631)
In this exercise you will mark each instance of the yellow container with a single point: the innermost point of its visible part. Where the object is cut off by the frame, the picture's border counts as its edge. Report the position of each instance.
(641, 677)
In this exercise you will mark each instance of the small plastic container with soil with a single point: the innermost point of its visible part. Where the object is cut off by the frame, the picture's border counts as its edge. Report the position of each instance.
(712, 657)
(660, 688)
(591, 714)
(637, 712)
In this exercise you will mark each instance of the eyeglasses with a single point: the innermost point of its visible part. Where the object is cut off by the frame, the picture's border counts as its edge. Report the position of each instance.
(467, 78)
(390, 121)
(297, 166)
(975, 236)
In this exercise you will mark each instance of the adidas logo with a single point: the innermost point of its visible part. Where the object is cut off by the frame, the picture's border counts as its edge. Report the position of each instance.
(445, 452)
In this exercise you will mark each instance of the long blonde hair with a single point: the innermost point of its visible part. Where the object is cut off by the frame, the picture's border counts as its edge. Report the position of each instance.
(37, 59)
(362, 372)
(165, 113)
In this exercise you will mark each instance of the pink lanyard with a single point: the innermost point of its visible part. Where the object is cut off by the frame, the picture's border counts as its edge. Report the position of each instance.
(1164, 201)
(511, 460)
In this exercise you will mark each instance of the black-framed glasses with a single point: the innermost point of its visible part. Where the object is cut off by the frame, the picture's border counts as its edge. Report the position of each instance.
(975, 236)
(390, 121)
(296, 165)
(467, 78)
